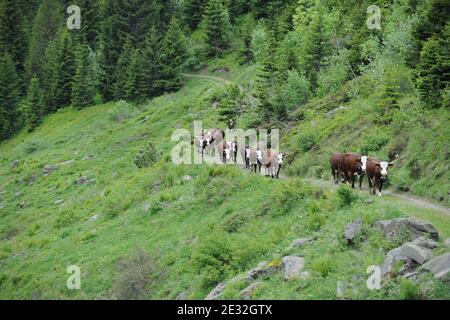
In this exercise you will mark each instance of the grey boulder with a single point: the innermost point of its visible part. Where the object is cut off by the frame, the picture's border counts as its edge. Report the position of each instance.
(439, 267)
(292, 267)
(352, 230)
(415, 228)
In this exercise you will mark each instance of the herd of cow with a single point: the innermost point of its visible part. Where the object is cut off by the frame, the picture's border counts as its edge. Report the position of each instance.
(347, 166)
(255, 158)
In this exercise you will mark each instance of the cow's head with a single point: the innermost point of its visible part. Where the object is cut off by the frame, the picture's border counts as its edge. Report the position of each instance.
(384, 166)
(364, 163)
(259, 154)
(280, 158)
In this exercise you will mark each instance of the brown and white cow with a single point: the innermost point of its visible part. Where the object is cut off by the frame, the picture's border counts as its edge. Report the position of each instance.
(337, 166)
(211, 138)
(272, 162)
(377, 172)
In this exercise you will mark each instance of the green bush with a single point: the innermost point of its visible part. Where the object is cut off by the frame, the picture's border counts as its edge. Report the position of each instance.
(345, 195)
(233, 222)
(285, 197)
(373, 141)
(213, 258)
(146, 156)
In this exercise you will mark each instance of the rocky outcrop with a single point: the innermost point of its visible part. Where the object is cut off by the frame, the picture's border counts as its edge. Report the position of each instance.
(217, 291)
(248, 292)
(301, 242)
(352, 230)
(292, 267)
(409, 254)
(439, 267)
(48, 169)
(414, 228)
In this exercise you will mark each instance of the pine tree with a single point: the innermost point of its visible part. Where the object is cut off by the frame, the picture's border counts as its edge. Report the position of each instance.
(217, 25)
(65, 72)
(49, 19)
(9, 95)
(434, 69)
(90, 23)
(83, 86)
(265, 76)
(13, 38)
(150, 57)
(194, 12)
(32, 105)
(120, 77)
(246, 31)
(229, 107)
(315, 49)
(136, 83)
(173, 55)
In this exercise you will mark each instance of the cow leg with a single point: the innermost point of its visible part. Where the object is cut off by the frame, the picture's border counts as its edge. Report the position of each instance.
(353, 181)
(278, 172)
(333, 172)
(380, 187)
(361, 178)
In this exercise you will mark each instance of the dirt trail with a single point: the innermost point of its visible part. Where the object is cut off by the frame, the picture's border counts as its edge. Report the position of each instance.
(410, 199)
(206, 77)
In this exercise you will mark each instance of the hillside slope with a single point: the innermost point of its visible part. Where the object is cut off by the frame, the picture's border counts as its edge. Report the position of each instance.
(76, 198)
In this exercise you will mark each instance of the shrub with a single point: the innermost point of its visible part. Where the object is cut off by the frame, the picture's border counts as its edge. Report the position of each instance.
(213, 257)
(345, 195)
(373, 141)
(233, 222)
(287, 196)
(307, 141)
(295, 91)
(410, 290)
(146, 156)
(122, 111)
(135, 276)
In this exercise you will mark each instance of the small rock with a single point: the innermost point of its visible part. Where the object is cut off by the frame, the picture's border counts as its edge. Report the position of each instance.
(425, 243)
(23, 205)
(93, 218)
(248, 292)
(340, 290)
(84, 180)
(182, 296)
(439, 267)
(264, 269)
(65, 163)
(145, 119)
(415, 228)
(15, 164)
(216, 292)
(187, 178)
(87, 157)
(215, 105)
(304, 275)
(48, 169)
(292, 267)
(298, 243)
(18, 194)
(352, 230)
(59, 202)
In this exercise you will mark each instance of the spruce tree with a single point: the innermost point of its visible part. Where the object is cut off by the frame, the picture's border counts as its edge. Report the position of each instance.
(194, 12)
(266, 75)
(172, 58)
(83, 86)
(32, 105)
(246, 31)
(433, 69)
(150, 57)
(120, 76)
(49, 18)
(217, 25)
(9, 95)
(13, 38)
(65, 73)
(136, 83)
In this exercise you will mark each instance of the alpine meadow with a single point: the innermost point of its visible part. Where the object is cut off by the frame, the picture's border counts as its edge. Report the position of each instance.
(224, 150)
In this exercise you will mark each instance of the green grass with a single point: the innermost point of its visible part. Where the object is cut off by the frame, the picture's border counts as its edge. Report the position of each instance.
(196, 233)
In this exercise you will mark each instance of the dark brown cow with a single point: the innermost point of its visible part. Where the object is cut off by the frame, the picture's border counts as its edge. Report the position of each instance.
(353, 167)
(377, 172)
(337, 166)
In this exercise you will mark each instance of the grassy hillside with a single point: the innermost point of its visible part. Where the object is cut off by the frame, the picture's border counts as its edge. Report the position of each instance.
(190, 234)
